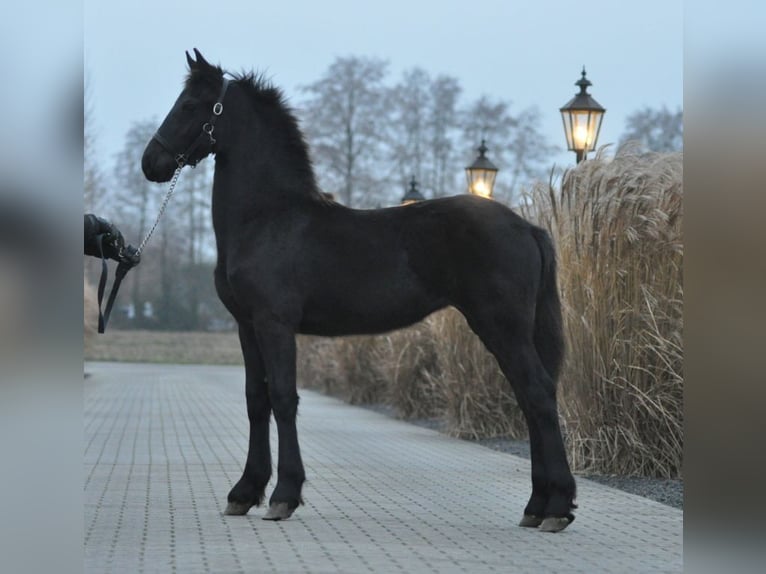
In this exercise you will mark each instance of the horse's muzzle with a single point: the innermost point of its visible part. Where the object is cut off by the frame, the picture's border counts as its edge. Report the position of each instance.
(157, 164)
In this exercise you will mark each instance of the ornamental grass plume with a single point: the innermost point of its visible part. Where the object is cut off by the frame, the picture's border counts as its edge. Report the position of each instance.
(617, 225)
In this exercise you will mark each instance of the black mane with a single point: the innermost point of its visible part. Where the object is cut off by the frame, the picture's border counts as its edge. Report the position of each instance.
(261, 90)
(266, 96)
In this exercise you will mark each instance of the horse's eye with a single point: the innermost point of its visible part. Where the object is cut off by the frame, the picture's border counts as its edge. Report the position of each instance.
(188, 106)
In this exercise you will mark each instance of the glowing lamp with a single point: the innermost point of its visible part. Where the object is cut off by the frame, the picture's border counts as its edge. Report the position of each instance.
(412, 194)
(582, 117)
(481, 174)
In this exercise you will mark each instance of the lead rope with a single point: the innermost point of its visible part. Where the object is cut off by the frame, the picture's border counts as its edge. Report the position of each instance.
(165, 202)
(127, 263)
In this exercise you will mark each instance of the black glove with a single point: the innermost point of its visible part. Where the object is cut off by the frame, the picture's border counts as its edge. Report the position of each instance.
(130, 256)
(112, 242)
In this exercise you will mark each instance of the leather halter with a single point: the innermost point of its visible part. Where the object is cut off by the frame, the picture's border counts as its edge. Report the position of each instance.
(208, 127)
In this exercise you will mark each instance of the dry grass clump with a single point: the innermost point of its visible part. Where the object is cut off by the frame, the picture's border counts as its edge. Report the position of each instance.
(413, 371)
(617, 227)
(317, 366)
(436, 368)
(350, 367)
(478, 401)
(361, 359)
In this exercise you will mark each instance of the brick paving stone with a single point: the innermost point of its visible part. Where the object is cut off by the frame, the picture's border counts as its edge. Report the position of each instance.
(165, 443)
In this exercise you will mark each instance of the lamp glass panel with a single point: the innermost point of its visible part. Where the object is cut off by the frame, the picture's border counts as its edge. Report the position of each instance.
(567, 117)
(481, 181)
(594, 126)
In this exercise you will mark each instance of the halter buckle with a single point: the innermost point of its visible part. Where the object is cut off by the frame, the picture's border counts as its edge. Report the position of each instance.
(208, 129)
(217, 109)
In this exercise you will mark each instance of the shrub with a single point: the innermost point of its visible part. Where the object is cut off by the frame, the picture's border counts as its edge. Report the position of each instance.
(436, 368)
(617, 227)
(477, 400)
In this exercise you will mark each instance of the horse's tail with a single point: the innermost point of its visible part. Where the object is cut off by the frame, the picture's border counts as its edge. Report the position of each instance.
(549, 330)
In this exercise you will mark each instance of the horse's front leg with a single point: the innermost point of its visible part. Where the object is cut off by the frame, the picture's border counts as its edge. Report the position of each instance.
(250, 489)
(277, 344)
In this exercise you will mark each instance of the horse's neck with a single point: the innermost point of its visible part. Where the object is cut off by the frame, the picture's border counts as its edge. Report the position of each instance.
(244, 183)
(246, 194)
(254, 180)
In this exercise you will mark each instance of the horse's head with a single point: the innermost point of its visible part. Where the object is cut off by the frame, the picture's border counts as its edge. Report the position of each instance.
(187, 135)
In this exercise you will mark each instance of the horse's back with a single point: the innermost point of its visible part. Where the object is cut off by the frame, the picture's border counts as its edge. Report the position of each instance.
(356, 273)
(394, 266)
(468, 244)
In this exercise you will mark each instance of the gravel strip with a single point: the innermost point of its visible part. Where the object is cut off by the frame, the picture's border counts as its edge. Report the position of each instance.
(663, 490)
(666, 491)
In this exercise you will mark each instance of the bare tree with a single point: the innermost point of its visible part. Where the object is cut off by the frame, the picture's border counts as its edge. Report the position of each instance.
(135, 199)
(656, 129)
(194, 205)
(94, 189)
(134, 196)
(486, 119)
(368, 140)
(443, 121)
(515, 143)
(406, 134)
(529, 151)
(184, 255)
(344, 117)
(423, 123)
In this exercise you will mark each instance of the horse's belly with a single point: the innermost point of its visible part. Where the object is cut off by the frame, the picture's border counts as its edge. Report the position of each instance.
(346, 318)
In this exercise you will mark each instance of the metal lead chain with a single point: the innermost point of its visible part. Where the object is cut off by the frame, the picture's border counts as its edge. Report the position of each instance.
(165, 201)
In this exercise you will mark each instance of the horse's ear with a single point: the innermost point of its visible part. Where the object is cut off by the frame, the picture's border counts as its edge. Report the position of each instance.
(201, 62)
(191, 62)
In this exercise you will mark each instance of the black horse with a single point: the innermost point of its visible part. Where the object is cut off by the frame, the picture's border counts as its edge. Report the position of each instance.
(291, 261)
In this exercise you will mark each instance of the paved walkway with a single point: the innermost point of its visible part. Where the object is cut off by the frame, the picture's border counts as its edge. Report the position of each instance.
(164, 444)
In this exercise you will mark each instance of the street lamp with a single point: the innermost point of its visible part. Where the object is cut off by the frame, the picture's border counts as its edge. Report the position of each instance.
(481, 174)
(582, 117)
(412, 195)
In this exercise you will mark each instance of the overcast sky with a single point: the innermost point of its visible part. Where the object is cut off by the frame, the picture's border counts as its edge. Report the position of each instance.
(530, 53)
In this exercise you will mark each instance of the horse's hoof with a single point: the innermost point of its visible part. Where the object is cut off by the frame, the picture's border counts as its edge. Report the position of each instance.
(279, 511)
(237, 508)
(556, 523)
(531, 521)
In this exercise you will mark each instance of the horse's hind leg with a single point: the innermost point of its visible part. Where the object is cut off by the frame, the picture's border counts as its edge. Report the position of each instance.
(553, 487)
(249, 491)
(535, 509)
(277, 344)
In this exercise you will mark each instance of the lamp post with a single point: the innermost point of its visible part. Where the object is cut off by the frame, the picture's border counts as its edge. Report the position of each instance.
(481, 174)
(582, 117)
(412, 194)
